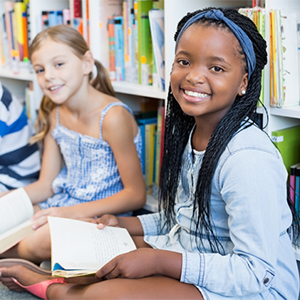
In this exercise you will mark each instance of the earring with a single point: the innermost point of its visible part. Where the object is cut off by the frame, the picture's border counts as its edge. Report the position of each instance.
(243, 92)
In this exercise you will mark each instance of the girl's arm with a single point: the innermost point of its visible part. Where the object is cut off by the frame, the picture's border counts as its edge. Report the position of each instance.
(142, 262)
(41, 189)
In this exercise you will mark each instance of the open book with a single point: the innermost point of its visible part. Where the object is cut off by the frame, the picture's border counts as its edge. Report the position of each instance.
(16, 211)
(79, 248)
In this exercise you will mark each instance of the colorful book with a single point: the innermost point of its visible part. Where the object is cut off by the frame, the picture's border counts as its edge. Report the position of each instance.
(156, 18)
(142, 122)
(112, 49)
(19, 8)
(77, 9)
(297, 191)
(288, 143)
(9, 7)
(119, 48)
(149, 155)
(292, 181)
(145, 42)
(99, 12)
(291, 76)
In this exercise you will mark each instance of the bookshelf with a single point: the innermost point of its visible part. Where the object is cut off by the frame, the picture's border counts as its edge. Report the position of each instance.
(132, 93)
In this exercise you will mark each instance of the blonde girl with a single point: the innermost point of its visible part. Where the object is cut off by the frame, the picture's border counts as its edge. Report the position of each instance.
(91, 142)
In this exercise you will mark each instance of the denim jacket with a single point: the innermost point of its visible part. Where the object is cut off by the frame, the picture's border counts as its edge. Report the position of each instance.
(250, 218)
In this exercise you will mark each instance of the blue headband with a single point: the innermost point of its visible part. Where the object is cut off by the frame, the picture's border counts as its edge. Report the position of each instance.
(244, 40)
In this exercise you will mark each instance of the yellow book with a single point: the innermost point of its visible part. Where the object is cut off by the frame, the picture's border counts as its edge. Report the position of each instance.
(19, 8)
(272, 103)
(274, 57)
(149, 157)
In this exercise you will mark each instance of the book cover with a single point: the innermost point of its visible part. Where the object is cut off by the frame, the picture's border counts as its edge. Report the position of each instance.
(85, 247)
(156, 18)
(288, 143)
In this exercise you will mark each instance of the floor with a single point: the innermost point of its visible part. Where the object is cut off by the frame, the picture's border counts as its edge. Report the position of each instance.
(6, 294)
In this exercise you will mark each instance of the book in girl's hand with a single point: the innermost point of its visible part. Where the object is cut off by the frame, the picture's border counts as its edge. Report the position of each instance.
(16, 211)
(79, 248)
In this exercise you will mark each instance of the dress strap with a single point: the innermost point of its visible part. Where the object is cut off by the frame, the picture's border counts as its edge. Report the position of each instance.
(107, 108)
(57, 115)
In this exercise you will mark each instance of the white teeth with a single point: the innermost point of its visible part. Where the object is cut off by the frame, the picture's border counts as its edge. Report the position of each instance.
(54, 88)
(195, 94)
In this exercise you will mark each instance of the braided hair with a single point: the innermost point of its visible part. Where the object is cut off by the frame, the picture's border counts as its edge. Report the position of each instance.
(178, 126)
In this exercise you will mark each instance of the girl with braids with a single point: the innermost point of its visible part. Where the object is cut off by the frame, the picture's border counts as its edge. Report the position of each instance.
(221, 232)
(83, 126)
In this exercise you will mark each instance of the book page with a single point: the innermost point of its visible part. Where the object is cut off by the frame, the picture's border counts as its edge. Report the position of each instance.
(81, 245)
(15, 208)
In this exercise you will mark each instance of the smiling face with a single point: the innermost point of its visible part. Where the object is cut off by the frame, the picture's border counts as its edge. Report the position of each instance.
(208, 72)
(60, 73)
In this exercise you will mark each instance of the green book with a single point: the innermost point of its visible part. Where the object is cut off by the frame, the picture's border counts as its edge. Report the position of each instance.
(145, 42)
(288, 143)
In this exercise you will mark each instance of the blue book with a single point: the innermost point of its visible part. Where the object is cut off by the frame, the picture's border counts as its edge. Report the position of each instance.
(141, 124)
(59, 17)
(119, 49)
(297, 190)
(52, 18)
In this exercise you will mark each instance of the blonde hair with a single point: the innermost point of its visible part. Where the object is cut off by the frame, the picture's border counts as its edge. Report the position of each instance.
(72, 38)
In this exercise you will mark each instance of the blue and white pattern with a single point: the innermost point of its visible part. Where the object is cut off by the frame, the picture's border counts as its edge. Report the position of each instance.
(19, 161)
(90, 172)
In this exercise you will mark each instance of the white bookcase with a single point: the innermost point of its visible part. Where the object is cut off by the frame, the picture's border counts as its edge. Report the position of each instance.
(174, 10)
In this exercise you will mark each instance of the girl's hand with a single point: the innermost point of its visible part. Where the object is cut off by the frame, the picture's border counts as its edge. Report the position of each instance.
(135, 264)
(41, 216)
(107, 220)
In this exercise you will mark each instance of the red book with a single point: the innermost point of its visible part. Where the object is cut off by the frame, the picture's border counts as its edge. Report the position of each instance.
(77, 9)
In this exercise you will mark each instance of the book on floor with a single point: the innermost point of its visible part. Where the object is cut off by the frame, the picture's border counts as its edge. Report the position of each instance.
(16, 211)
(79, 248)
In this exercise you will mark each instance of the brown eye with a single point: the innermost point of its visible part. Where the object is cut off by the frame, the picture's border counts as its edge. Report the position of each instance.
(217, 69)
(183, 62)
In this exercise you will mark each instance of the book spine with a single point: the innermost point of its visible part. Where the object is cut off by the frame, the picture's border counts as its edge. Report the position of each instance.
(149, 155)
(19, 8)
(52, 18)
(158, 144)
(77, 9)
(144, 42)
(112, 54)
(297, 191)
(119, 46)
(25, 35)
